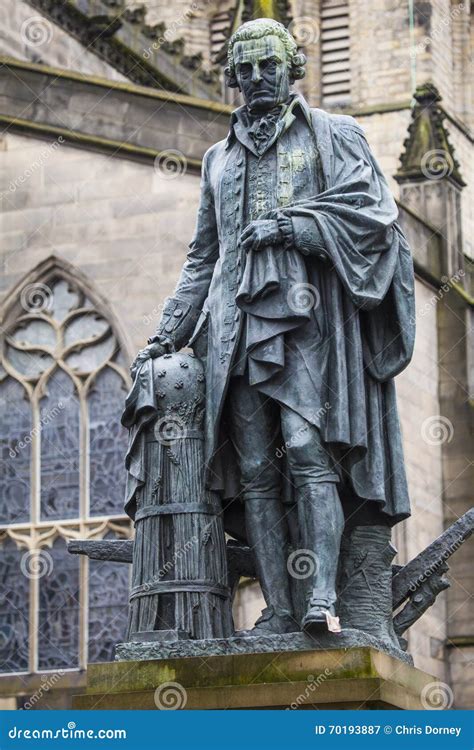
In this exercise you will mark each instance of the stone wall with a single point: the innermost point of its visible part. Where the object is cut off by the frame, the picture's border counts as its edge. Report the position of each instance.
(386, 64)
(186, 19)
(27, 35)
(458, 474)
(386, 132)
(123, 224)
(464, 153)
(382, 74)
(418, 399)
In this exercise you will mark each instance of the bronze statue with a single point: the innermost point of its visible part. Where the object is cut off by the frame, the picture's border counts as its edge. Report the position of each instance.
(298, 296)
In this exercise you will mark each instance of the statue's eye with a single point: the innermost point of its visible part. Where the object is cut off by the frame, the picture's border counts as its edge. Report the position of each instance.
(245, 70)
(268, 65)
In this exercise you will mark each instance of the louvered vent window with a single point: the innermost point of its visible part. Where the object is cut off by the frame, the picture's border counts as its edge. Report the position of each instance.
(219, 29)
(335, 64)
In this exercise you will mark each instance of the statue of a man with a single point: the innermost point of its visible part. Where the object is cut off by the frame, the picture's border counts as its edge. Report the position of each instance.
(297, 292)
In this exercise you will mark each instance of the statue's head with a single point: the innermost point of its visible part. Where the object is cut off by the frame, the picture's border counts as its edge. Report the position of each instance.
(263, 62)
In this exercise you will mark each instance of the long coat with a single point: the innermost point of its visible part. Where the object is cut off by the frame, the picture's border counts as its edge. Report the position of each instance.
(365, 287)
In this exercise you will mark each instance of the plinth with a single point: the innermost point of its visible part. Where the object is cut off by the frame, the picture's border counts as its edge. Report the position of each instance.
(358, 677)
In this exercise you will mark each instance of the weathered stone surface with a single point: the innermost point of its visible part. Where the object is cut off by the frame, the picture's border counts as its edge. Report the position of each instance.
(105, 112)
(58, 47)
(339, 678)
(139, 651)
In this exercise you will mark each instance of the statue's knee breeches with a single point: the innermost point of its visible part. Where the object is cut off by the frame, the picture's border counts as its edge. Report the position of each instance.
(308, 459)
(254, 426)
(260, 478)
(262, 431)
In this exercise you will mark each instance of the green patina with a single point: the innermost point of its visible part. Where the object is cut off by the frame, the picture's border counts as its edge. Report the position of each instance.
(236, 670)
(428, 139)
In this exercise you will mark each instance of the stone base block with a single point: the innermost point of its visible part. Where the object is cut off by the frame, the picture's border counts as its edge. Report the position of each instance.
(157, 647)
(340, 678)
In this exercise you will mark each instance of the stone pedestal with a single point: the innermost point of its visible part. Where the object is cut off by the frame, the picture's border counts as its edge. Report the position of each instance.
(360, 677)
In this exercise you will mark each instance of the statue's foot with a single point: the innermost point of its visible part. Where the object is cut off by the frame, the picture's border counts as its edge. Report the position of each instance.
(320, 619)
(270, 623)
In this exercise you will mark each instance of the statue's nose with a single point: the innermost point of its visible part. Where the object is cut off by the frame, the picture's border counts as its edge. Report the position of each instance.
(256, 77)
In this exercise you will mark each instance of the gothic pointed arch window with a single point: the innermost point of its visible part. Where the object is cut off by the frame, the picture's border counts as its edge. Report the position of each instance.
(63, 381)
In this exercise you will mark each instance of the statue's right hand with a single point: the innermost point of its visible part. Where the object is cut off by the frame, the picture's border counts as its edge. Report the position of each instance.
(149, 352)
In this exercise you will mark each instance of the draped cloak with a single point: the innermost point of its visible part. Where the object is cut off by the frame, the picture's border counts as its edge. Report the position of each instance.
(335, 363)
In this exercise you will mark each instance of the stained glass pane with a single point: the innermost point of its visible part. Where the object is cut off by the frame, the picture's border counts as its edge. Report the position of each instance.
(108, 607)
(14, 609)
(108, 444)
(58, 626)
(35, 333)
(59, 449)
(84, 327)
(93, 356)
(15, 453)
(64, 299)
(30, 364)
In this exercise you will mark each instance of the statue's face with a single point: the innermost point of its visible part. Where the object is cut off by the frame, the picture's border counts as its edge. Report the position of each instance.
(262, 72)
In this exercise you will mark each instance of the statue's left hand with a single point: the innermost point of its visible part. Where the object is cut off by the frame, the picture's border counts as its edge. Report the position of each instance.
(260, 233)
(149, 352)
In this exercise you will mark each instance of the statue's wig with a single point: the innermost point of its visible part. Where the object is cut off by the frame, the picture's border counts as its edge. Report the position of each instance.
(256, 30)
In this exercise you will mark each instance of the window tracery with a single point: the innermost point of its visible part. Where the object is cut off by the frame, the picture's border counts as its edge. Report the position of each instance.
(62, 389)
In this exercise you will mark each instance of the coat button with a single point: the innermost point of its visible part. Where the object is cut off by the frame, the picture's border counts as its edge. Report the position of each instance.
(177, 313)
